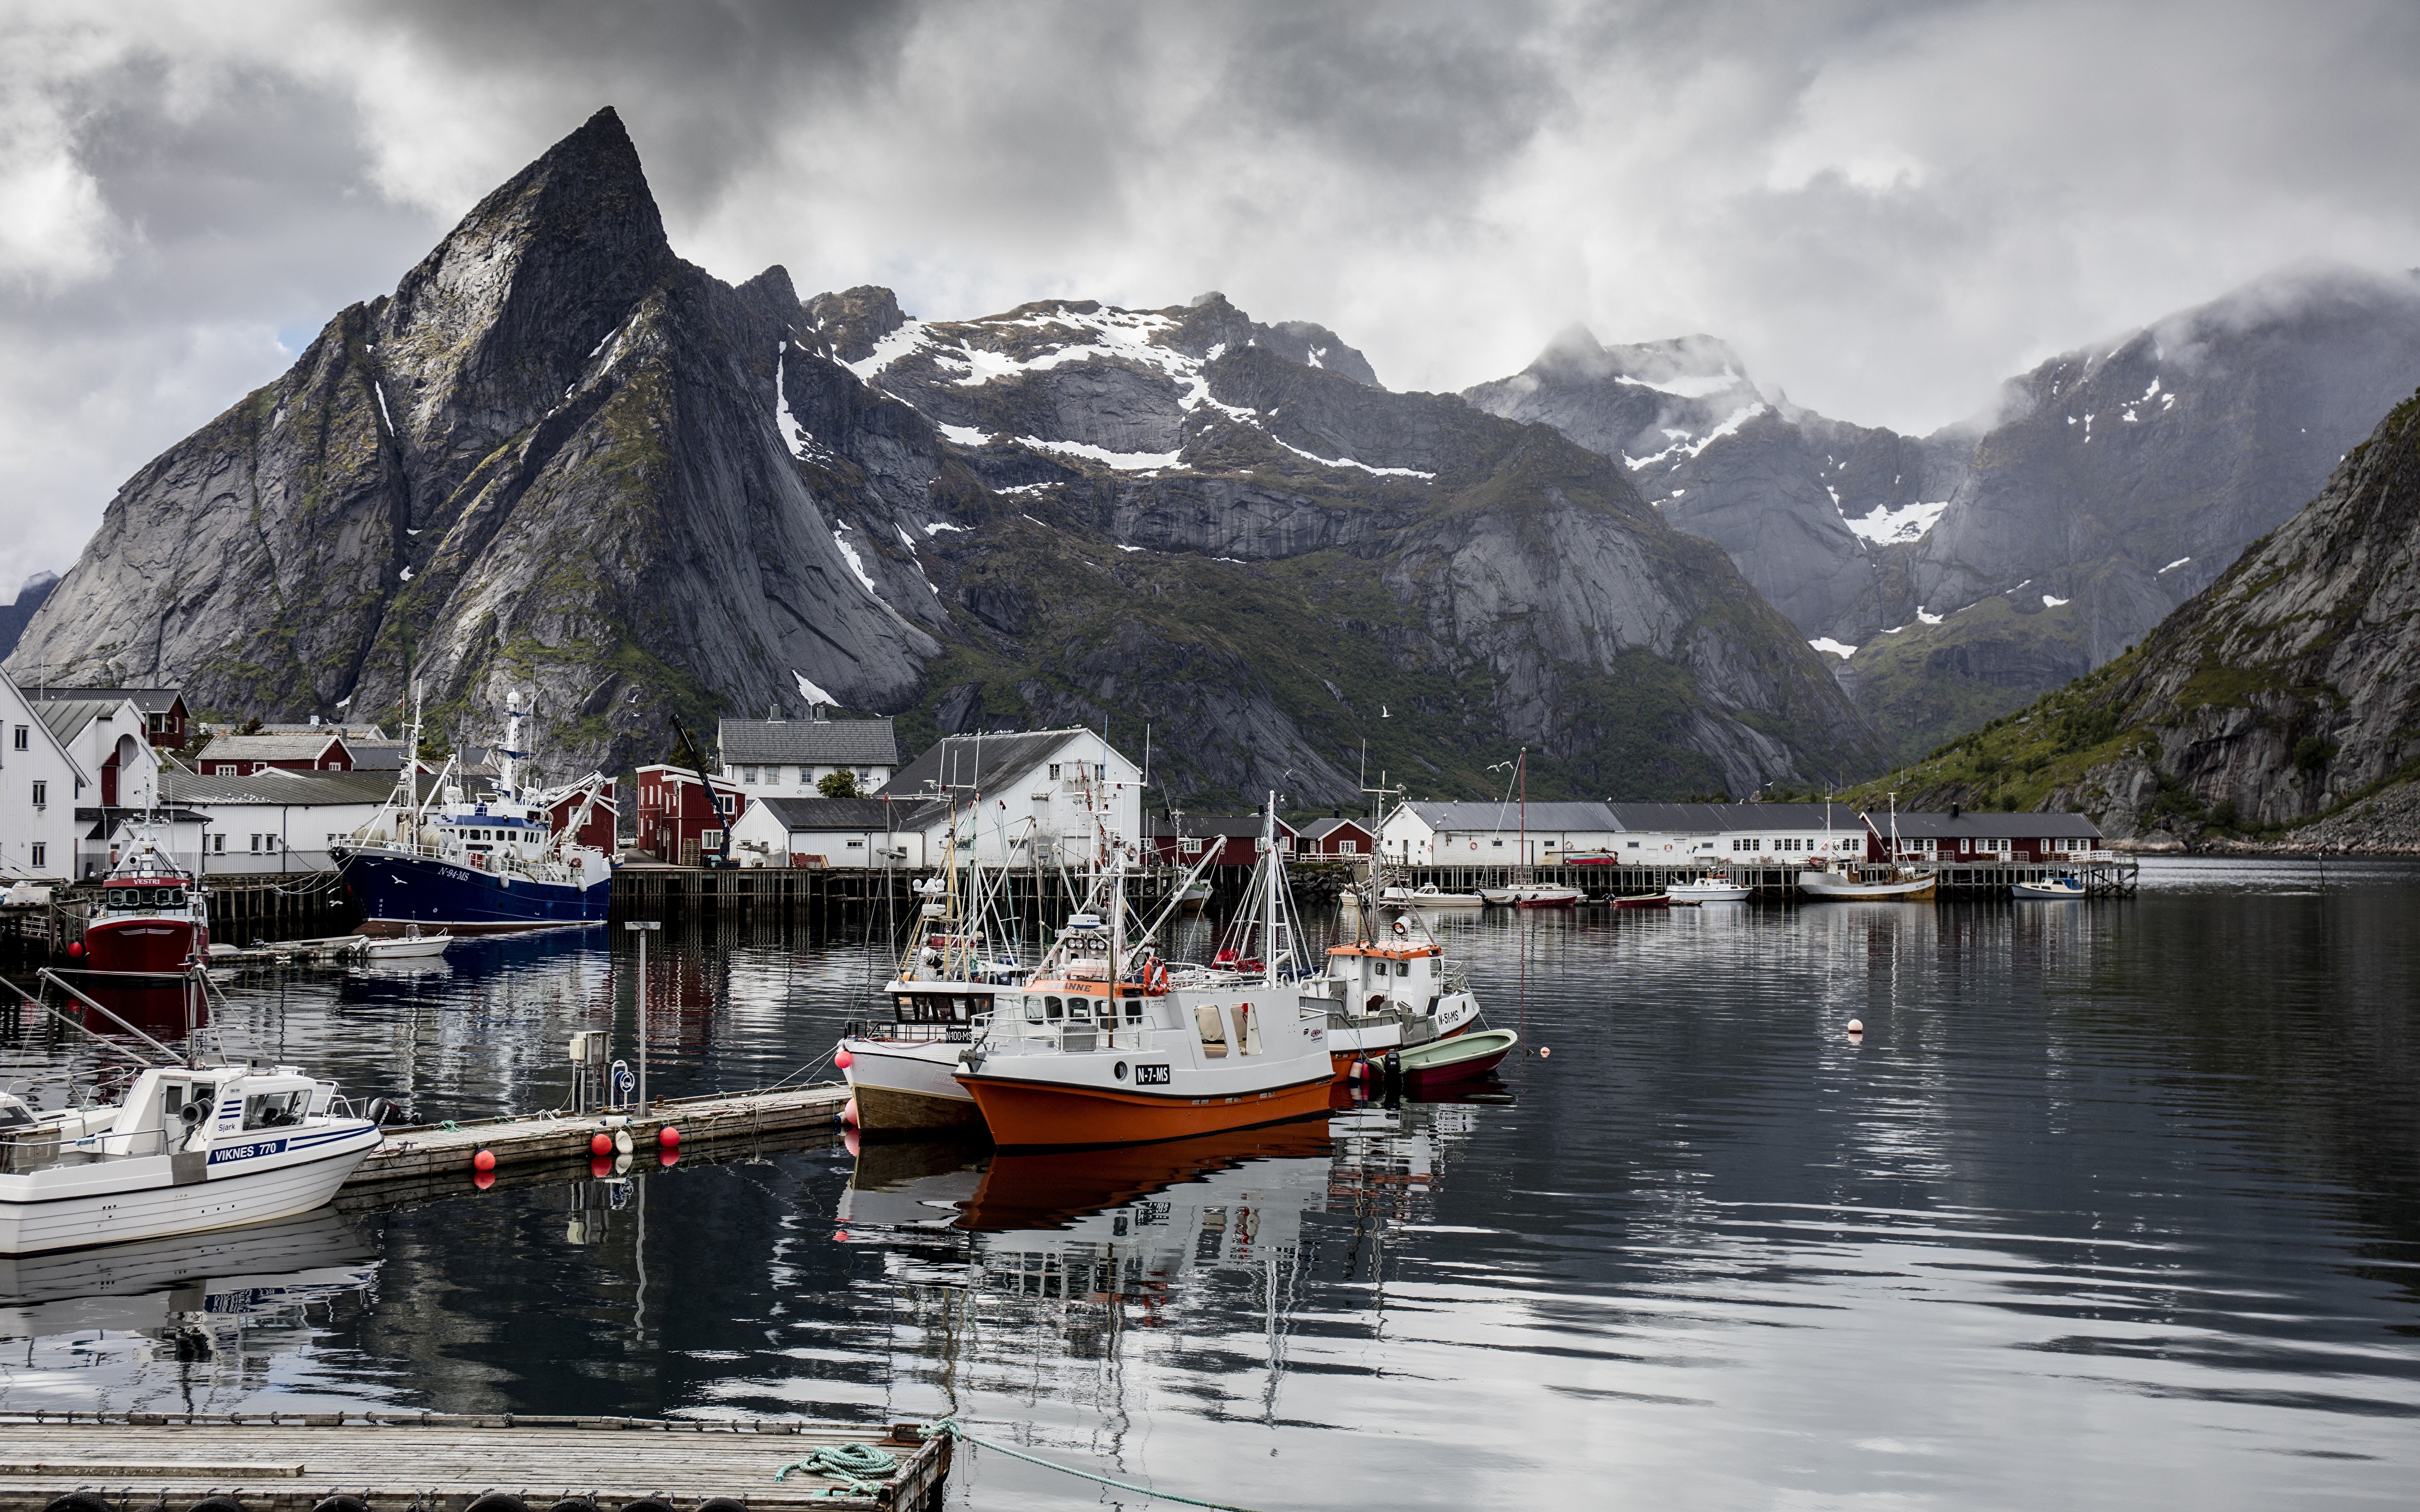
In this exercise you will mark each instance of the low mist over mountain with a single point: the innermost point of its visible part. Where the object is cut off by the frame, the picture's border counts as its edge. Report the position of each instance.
(560, 460)
(1975, 567)
(16, 616)
(2284, 689)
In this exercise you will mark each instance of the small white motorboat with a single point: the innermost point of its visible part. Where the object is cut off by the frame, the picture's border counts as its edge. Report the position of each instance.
(1714, 889)
(1429, 895)
(1532, 895)
(407, 946)
(190, 1149)
(2049, 887)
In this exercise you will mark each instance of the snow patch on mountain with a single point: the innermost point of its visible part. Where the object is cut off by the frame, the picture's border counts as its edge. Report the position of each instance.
(1826, 644)
(1349, 462)
(1122, 461)
(1885, 526)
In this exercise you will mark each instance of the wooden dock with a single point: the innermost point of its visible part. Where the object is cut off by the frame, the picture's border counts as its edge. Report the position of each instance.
(2103, 875)
(421, 1151)
(440, 1462)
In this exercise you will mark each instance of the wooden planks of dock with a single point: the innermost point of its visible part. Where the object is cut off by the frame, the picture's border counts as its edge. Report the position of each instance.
(422, 1151)
(442, 1462)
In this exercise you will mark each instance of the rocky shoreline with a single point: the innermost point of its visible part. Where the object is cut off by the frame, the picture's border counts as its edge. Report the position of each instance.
(2385, 824)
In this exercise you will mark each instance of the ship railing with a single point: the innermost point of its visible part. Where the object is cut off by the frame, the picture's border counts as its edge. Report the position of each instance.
(36, 1149)
(906, 1033)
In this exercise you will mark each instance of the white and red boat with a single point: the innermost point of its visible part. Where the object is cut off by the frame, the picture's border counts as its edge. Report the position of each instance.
(151, 917)
(1107, 1045)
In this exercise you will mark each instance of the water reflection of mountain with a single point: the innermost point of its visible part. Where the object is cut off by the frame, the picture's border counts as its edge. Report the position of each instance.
(199, 1324)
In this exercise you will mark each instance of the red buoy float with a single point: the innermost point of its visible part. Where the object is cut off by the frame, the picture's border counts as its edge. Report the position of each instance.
(842, 1059)
(668, 1136)
(484, 1179)
(600, 1143)
(600, 1165)
(484, 1161)
(848, 1114)
(75, 949)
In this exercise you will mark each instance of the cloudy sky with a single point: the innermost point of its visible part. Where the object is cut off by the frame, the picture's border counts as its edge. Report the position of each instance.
(1887, 207)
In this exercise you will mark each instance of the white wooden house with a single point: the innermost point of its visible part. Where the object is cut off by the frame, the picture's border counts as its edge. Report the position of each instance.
(1026, 798)
(41, 785)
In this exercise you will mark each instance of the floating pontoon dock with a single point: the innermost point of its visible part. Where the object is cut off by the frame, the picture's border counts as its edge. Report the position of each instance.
(437, 1462)
(448, 1148)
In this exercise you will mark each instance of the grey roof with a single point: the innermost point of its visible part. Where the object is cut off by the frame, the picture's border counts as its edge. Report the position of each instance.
(304, 748)
(854, 813)
(989, 762)
(149, 700)
(1496, 815)
(67, 718)
(1203, 825)
(275, 786)
(1733, 818)
(1321, 829)
(376, 755)
(1992, 825)
(350, 731)
(808, 743)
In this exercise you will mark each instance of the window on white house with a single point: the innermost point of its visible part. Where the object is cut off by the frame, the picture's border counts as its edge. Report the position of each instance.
(857, 845)
(1498, 843)
(1054, 765)
(218, 844)
(748, 774)
(41, 854)
(20, 741)
(41, 794)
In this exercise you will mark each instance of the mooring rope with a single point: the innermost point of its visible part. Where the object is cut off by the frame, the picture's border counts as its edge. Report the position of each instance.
(949, 1427)
(850, 1464)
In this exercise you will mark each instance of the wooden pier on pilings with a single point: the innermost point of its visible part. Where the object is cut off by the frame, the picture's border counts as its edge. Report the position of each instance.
(842, 896)
(386, 1461)
(2104, 876)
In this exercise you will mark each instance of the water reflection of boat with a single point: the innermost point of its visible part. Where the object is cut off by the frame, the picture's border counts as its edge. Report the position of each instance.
(1066, 1189)
(911, 1183)
(147, 1285)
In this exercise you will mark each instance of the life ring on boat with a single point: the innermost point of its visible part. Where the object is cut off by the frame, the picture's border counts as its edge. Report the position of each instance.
(1155, 977)
(1474, 845)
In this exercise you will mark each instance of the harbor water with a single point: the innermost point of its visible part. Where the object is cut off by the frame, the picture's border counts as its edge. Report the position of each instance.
(2115, 1203)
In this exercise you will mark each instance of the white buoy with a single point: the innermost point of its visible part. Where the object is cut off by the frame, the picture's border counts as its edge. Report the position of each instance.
(1856, 1025)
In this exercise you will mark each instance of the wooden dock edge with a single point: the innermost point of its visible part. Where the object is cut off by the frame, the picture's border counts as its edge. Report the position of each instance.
(422, 1151)
(445, 1462)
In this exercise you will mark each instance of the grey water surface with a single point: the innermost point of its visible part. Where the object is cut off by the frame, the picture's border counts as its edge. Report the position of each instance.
(2116, 1204)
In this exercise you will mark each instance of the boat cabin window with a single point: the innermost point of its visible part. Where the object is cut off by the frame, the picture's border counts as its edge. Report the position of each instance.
(931, 1008)
(274, 1110)
(173, 1097)
(15, 1115)
(1212, 1026)
(1034, 1008)
(1053, 1009)
(1403, 968)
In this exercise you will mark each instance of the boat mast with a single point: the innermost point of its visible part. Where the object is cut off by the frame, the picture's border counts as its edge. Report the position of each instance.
(1521, 775)
(1269, 897)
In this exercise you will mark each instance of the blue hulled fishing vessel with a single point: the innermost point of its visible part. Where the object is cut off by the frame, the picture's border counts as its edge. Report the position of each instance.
(441, 856)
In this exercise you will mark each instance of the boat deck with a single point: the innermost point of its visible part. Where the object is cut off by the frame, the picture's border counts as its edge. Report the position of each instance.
(438, 1462)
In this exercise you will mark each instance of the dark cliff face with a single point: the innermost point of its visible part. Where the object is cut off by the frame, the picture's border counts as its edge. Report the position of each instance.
(560, 461)
(2118, 479)
(2285, 688)
(551, 462)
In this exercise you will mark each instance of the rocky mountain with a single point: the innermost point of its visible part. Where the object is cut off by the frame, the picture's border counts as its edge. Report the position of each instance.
(561, 461)
(2107, 487)
(2286, 689)
(16, 616)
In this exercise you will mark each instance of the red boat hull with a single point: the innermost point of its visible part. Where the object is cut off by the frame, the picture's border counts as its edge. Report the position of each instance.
(1460, 1070)
(155, 945)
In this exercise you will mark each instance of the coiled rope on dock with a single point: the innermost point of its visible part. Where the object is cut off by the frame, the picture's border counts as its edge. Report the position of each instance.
(949, 1427)
(850, 1464)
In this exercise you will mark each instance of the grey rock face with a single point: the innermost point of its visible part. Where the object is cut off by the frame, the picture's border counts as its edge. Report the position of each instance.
(561, 462)
(551, 463)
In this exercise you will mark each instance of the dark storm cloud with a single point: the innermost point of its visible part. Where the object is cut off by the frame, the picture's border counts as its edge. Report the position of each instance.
(1886, 207)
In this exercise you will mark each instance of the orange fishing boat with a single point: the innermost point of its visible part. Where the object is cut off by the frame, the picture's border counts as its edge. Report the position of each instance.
(1107, 1044)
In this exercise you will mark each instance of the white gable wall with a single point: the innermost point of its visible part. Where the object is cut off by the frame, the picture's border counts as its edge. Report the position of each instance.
(37, 839)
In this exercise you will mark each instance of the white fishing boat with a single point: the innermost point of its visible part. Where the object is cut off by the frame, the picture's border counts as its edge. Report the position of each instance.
(1893, 879)
(1713, 888)
(2049, 888)
(188, 1149)
(1109, 1045)
(1193, 897)
(902, 1073)
(1428, 895)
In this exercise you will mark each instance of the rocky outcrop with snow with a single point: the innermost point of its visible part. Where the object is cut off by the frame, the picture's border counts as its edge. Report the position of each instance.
(2120, 479)
(560, 461)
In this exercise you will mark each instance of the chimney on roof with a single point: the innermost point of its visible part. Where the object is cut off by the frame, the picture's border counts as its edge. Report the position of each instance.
(315, 722)
(815, 712)
(1954, 810)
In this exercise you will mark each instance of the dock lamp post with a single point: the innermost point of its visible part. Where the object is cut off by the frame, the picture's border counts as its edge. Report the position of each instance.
(642, 928)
